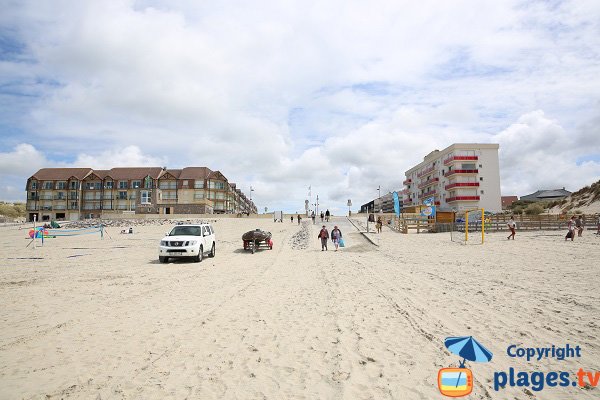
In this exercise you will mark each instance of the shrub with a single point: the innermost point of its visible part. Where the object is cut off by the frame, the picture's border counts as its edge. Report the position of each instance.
(534, 209)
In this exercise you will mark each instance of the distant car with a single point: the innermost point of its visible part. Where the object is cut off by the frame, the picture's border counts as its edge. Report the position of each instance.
(188, 241)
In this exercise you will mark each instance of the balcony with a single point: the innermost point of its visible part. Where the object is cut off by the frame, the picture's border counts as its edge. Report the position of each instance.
(428, 194)
(428, 182)
(462, 198)
(461, 171)
(406, 201)
(461, 184)
(407, 182)
(450, 160)
(425, 172)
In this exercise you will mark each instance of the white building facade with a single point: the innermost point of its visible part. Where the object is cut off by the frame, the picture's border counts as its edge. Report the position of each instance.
(461, 177)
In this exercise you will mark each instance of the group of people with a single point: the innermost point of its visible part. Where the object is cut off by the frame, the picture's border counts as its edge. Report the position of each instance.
(324, 216)
(336, 237)
(576, 224)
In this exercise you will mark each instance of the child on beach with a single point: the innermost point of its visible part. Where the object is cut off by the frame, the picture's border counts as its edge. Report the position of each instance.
(336, 235)
(379, 224)
(323, 235)
(571, 226)
(512, 225)
(579, 225)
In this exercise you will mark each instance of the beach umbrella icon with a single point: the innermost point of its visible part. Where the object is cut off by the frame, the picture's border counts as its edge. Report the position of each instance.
(469, 349)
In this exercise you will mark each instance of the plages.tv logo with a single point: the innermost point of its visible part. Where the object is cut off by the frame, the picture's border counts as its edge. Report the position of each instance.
(458, 382)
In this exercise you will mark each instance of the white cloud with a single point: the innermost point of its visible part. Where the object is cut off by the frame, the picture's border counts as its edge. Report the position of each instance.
(537, 153)
(130, 156)
(24, 159)
(280, 95)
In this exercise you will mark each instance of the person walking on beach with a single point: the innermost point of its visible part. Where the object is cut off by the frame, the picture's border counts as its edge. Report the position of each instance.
(327, 215)
(571, 227)
(312, 216)
(512, 225)
(322, 216)
(323, 235)
(336, 235)
(299, 218)
(379, 224)
(579, 226)
(292, 218)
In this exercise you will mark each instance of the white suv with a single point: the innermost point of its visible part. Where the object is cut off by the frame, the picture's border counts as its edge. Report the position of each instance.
(188, 241)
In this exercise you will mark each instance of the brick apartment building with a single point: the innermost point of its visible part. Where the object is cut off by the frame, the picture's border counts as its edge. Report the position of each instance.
(77, 193)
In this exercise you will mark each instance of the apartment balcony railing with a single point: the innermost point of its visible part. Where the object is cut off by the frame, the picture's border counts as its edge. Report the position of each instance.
(407, 182)
(428, 182)
(60, 207)
(428, 194)
(462, 198)
(425, 172)
(45, 197)
(460, 158)
(406, 201)
(461, 184)
(461, 171)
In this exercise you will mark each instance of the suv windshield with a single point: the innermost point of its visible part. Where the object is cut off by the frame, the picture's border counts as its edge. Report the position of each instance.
(186, 231)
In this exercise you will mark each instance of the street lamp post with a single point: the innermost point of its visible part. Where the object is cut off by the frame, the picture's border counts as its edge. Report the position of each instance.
(379, 192)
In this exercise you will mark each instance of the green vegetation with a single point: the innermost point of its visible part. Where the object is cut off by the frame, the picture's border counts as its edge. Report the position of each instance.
(11, 210)
(534, 209)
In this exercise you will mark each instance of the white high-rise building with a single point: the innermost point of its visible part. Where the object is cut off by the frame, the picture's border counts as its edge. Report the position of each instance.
(463, 176)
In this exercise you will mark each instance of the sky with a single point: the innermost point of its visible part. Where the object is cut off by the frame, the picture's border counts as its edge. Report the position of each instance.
(339, 96)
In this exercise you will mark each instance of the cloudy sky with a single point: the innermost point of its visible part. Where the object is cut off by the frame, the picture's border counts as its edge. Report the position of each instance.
(342, 96)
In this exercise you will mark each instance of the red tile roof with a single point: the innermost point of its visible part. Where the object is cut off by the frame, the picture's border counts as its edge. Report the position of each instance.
(58, 174)
(195, 173)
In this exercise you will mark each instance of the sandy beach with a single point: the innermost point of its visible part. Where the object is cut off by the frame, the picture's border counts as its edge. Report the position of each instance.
(91, 318)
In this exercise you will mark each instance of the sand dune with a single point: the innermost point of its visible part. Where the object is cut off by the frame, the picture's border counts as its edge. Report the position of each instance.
(89, 318)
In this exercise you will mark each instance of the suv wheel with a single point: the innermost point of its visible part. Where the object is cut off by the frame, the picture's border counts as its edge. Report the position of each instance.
(212, 251)
(200, 255)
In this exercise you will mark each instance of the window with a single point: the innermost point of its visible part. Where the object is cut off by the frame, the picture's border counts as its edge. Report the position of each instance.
(34, 185)
(136, 184)
(122, 195)
(122, 184)
(32, 196)
(145, 197)
(74, 185)
(199, 194)
(60, 195)
(109, 185)
(61, 185)
(480, 165)
(198, 184)
(481, 191)
(48, 185)
(185, 183)
(468, 166)
(481, 178)
(73, 205)
(219, 185)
